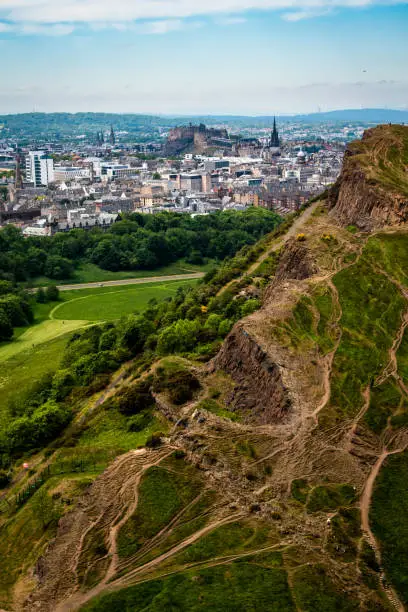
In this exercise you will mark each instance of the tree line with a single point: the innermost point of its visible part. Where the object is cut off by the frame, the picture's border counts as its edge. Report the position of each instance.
(136, 242)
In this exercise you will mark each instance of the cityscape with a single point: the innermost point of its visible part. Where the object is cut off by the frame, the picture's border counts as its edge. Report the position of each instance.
(54, 186)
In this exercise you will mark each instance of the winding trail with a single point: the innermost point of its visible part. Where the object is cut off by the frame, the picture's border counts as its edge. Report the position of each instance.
(278, 243)
(365, 503)
(79, 599)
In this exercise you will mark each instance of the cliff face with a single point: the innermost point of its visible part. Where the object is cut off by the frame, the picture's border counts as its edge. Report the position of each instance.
(271, 382)
(260, 394)
(372, 190)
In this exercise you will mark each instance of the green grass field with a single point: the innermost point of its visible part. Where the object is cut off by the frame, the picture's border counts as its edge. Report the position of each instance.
(110, 303)
(77, 309)
(90, 273)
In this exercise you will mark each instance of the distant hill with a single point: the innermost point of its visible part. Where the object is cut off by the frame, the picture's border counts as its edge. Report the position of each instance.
(145, 127)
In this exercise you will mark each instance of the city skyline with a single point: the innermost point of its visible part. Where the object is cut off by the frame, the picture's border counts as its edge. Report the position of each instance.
(177, 57)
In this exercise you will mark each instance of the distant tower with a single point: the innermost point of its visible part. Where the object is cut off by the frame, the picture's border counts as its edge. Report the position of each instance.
(98, 139)
(112, 136)
(18, 180)
(275, 142)
(102, 138)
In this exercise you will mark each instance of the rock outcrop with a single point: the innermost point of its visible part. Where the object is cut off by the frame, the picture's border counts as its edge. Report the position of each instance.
(372, 190)
(193, 139)
(260, 393)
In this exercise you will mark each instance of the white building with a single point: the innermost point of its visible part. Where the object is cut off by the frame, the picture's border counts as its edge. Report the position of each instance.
(39, 168)
(70, 173)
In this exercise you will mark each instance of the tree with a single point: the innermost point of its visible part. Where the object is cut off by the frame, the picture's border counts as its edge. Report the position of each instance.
(179, 337)
(5, 287)
(6, 329)
(135, 330)
(249, 307)
(4, 479)
(52, 293)
(40, 296)
(58, 267)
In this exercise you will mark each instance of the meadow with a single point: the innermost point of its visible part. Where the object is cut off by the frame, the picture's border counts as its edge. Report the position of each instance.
(111, 303)
(36, 350)
(77, 309)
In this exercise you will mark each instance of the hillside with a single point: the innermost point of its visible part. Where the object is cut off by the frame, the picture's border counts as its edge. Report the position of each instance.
(263, 471)
(372, 190)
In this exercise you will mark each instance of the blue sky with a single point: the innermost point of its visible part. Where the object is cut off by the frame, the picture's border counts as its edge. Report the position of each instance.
(194, 56)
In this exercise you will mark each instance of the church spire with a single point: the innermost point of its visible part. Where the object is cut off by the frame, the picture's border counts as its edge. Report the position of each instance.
(275, 142)
(112, 136)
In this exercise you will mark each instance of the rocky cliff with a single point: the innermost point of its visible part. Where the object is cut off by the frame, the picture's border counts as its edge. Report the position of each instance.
(372, 190)
(192, 139)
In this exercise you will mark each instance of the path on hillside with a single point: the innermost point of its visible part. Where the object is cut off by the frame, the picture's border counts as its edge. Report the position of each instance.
(133, 281)
(365, 503)
(277, 243)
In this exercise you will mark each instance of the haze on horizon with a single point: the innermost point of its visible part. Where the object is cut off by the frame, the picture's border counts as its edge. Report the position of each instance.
(218, 57)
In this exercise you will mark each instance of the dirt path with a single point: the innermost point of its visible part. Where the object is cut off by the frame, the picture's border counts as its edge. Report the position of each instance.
(392, 367)
(280, 242)
(291, 233)
(133, 281)
(79, 599)
(76, 600)
(365, 503)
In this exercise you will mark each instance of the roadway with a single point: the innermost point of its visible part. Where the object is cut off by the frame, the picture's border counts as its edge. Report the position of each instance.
(133, 281)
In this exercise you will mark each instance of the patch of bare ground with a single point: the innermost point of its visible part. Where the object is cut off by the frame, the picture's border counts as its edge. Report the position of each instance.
(109, 501)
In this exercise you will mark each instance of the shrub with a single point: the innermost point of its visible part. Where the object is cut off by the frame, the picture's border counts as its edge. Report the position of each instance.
(133, 400)
(40, 296)
(179, 337)
(140, 421)
(35, 431)
(4, 479)
(155, 440)
(52, 293)
(179, 382)
(6, 329)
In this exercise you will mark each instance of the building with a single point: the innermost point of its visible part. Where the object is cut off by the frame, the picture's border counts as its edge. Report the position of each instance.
(274, 143)
(39, 168)
(191, 182)
(70, 173)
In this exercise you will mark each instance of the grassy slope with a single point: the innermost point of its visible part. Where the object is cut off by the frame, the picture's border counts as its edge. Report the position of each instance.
(384, 157)
(21, 371)
(389, 513)
(110, 303)
(161, 495)
(240, 587)
(78, 308)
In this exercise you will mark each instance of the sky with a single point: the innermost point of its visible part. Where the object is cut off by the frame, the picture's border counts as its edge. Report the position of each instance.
(246, 57)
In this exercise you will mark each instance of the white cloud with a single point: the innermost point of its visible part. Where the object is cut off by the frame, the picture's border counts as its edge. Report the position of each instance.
(232, 20)
(305, 14)
(164, 13)
(57, 29)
